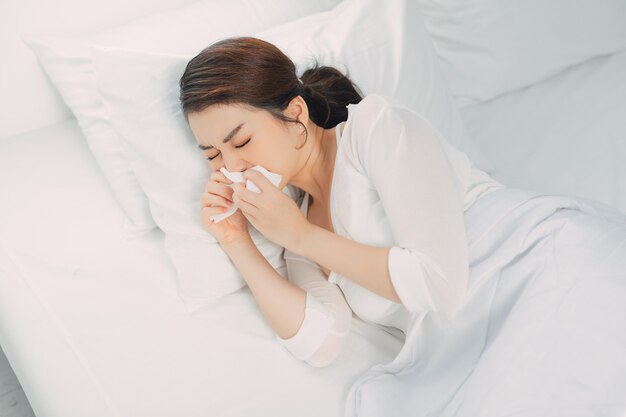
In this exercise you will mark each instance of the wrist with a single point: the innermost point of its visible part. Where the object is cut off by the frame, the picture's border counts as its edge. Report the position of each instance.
(299, 244)
(237, 244)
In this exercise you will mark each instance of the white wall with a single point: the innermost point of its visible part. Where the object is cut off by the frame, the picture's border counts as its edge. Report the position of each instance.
(28, 100)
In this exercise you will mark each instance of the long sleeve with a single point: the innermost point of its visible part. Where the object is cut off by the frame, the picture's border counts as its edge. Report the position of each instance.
(327, 315)
(403, 157)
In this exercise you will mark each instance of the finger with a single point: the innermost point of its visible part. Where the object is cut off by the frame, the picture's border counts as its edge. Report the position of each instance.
(259, 180)
(219, 189)
(249, 216)
(241, 193)
(208, 199)
(247, 208)
(253, 198)
(219, 176)
(213, 210)
(207, 212)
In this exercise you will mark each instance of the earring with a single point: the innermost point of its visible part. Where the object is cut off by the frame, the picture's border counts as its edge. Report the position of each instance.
(306, 136)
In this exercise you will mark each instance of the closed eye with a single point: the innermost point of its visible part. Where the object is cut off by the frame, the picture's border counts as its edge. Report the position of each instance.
(243, 144)
(238, 146)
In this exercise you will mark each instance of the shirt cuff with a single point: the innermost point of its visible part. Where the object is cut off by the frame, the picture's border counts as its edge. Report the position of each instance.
(414, 276)
(314, 329)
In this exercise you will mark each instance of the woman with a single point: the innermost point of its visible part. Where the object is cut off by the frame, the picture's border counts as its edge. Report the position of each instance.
(382, 221)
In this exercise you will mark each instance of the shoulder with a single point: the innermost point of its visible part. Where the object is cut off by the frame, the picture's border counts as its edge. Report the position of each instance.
(376, 117)
(373, 104)
(377, 113)
(380, 125)
(368, 121)
(369, 117)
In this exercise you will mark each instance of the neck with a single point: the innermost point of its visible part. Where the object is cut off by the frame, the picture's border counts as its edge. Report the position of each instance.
(316, 176)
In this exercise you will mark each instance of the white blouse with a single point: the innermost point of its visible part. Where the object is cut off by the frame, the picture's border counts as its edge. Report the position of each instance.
(397, 183)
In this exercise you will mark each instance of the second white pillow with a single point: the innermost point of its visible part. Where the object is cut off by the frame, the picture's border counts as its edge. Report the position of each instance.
(488, 48)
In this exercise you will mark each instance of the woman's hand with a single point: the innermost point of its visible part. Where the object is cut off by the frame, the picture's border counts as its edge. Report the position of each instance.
(271, 212)
(217, 199)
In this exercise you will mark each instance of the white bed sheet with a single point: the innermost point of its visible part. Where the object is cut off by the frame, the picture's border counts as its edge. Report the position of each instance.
(91, 323)
(541, 332)
(565, 135)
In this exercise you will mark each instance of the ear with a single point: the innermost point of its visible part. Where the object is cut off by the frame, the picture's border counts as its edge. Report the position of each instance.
(297, 109)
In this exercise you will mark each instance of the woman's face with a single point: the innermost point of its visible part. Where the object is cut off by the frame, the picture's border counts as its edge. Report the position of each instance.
(239, 137)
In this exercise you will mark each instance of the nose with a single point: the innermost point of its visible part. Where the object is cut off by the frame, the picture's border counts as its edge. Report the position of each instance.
(234, 164)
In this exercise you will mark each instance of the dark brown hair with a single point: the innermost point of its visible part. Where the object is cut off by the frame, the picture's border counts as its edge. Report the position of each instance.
(251, 71)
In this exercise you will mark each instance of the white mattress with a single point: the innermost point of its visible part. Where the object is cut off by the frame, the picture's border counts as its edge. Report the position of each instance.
(91, 323)
(566, 134)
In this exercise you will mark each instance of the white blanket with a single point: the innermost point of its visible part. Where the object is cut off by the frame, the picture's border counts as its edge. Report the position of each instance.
(543, 332)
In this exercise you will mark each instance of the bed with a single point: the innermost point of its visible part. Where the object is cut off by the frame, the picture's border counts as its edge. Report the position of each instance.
(91, 322)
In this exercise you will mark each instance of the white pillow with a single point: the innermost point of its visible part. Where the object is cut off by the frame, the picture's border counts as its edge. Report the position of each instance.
(381, 43)
(140, 92)
(186, 30)
(488, 48)
(564, 135)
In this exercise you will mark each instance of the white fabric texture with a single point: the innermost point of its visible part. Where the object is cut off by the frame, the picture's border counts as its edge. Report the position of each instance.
(423, 202)
(185, 30)
(564, 135)
(327, 317)
(416, 209)
(141, 94)
(542, 329)
(488, 48)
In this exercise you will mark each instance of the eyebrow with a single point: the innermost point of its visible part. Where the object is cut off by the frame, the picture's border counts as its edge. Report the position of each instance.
(225, 140)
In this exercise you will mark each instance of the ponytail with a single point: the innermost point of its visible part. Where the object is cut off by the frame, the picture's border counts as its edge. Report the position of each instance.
(327, 93)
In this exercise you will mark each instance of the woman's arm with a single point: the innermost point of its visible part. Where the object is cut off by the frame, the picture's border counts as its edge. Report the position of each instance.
(327, 317)
(363, 264)
(281, 302)
(313, 329)
(403, 156)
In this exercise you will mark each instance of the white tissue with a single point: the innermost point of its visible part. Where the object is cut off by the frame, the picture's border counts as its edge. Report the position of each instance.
(236, 177)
